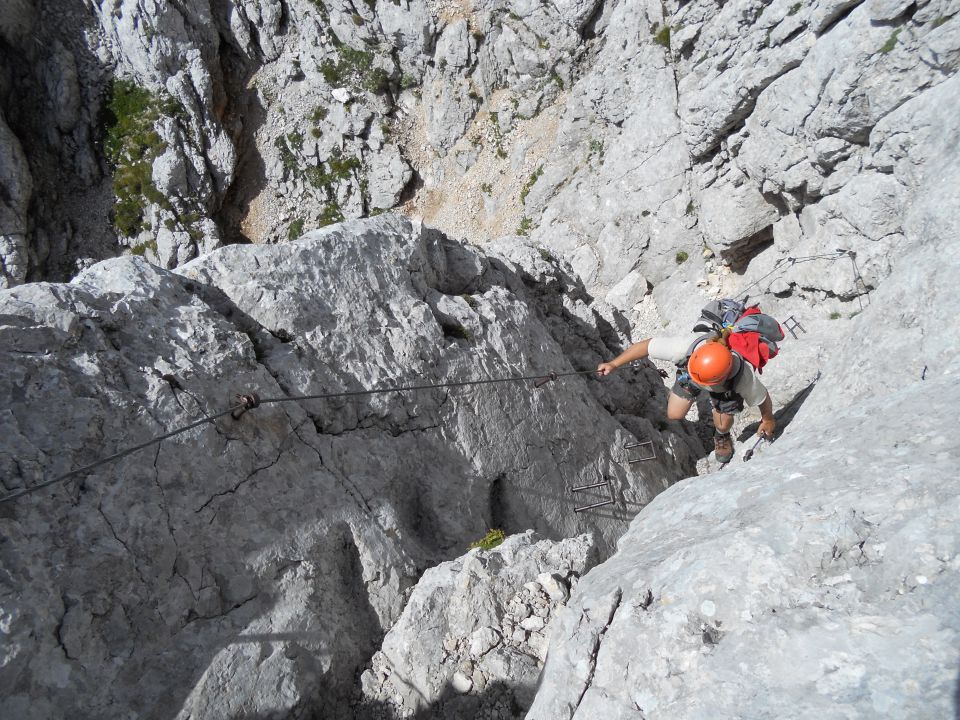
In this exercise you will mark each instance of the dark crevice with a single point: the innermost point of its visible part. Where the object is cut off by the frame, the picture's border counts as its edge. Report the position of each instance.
(739, 255)
(838, 14)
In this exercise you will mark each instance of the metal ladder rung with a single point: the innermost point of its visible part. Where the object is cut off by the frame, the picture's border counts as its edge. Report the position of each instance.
(594, 505)
(588, 487)
(651, 456)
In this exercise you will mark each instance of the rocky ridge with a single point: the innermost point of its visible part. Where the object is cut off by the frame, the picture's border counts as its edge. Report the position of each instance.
(256, 564)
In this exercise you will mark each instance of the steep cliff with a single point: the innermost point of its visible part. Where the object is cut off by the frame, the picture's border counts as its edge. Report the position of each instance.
(255, 564)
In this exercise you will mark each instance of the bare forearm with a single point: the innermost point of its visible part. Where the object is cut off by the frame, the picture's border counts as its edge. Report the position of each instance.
(766, 408)
(637, 351)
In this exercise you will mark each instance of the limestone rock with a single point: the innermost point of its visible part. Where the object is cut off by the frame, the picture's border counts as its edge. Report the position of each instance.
(273, 552)
(487, 590)
(16, 185)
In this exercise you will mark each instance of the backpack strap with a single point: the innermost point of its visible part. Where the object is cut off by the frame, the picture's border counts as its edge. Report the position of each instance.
(730, 382)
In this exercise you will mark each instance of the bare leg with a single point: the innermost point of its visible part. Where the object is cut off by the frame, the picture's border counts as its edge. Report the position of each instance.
(721, 421)
(677, 407)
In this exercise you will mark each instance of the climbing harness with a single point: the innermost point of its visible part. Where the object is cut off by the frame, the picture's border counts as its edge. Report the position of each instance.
(250, 401)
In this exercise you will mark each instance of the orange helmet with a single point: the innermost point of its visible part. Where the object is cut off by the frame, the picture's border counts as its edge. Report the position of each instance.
(710, 364)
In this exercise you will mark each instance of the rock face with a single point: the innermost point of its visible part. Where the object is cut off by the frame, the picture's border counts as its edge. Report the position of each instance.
(254, 565)
(822, 578)
(473, 637)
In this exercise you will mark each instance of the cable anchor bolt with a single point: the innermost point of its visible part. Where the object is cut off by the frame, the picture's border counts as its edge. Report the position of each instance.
(245, 402)
(544, 380)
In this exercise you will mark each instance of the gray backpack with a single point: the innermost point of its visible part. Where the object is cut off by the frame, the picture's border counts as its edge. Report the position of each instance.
(722, 314)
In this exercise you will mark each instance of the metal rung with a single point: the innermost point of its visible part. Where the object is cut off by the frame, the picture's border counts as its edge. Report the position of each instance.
(653, 451)
(792, 325)
(588, 487)
(595, 505)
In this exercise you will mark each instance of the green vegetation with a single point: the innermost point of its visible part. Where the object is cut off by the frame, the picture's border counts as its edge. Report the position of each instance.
(478, 36)
(525, 225)
(355, 67)
(690, 208)
(287, 157)
(456, 331)
(474, 95)
(131, 144)
(487, 188)
(547, 255)
(316, 132)
(644, 213)
(331, 214)
(891, 42)
(681, 257)
(142, 248)
(296, 229)
(525, 190)
(596, 148)
(319, 114)
(662, 36)
(489, 541)
(376, 81)
(357, 19)
(940, 21)
(556, 79)
(834, 316)
(296, 140)
(794, 9)
(497, 135)
(408, 81)
(468, 299)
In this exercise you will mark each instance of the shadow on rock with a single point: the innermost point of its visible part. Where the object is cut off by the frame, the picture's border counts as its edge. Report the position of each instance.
(496, 700)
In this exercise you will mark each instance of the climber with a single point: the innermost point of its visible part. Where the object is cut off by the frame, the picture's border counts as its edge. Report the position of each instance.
(705, 362)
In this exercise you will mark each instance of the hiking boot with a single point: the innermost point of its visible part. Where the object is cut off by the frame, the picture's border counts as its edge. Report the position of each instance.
(723, 447)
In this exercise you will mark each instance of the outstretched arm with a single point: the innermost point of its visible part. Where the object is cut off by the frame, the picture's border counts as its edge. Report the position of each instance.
(637, 351)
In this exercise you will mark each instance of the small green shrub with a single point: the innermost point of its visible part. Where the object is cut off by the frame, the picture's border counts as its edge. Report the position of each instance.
(690, 208)
(940, 21)
(681, 257)
(408, 81)
(331, 214)
(319, 114)
(296, 140)
(834, 316)
(487, 188)
(316, 132)
(456, 331)
(891, 42)
(478, 36)
(644, 213)
(794, 9)
(556, 79)
(475, 96)
(287, 158)
(469, 300)
(525, 225)
(662, 36)
(142, 248)
(489, 541)
(547, 255)
(296, 229)
(357, 19)
(525, 190)
(376, 81)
